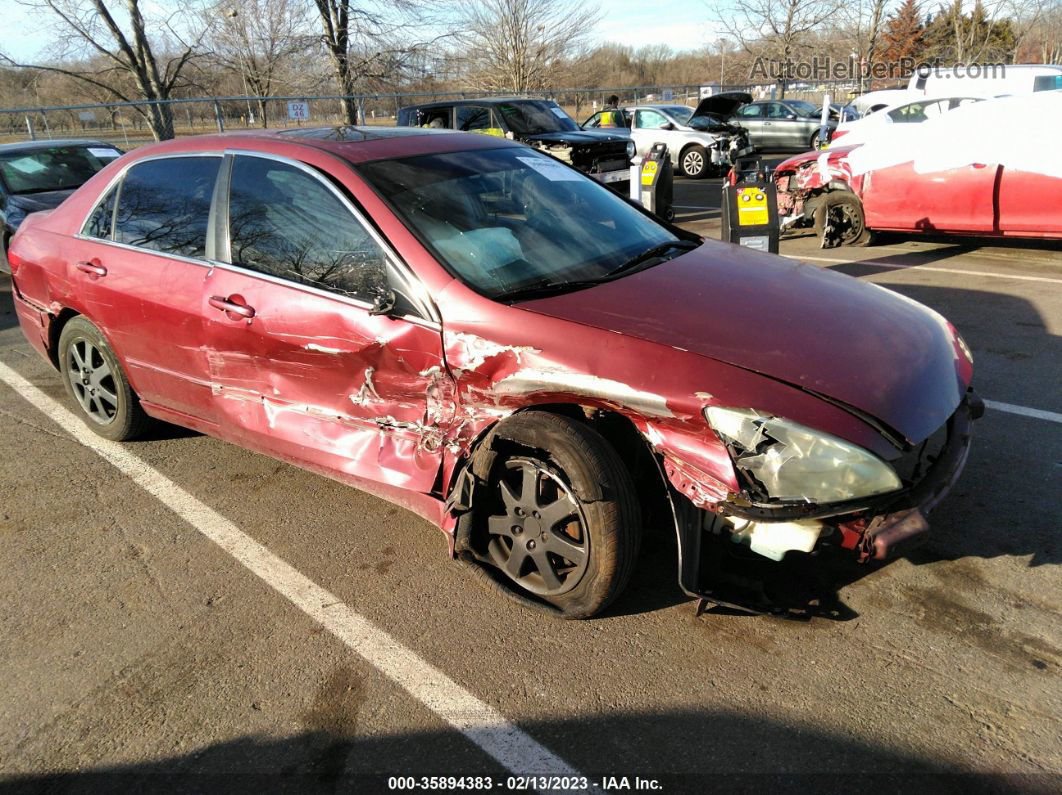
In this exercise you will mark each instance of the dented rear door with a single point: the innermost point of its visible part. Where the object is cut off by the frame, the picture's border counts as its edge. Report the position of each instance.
(300, 367)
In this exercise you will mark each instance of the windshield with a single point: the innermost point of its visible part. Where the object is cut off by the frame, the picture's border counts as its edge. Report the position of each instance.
(503, 220)
(805, 109)
(53, 168)
(680, 113)
(531, 117)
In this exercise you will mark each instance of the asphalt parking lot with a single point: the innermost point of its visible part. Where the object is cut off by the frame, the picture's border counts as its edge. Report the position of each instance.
(182, 607)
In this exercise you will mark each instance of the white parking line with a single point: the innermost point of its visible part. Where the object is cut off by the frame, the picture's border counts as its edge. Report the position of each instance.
(1010, 408)
(476, 720)
(925, 268)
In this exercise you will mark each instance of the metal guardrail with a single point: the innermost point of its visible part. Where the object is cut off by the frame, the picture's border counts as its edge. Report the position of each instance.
(115, 122)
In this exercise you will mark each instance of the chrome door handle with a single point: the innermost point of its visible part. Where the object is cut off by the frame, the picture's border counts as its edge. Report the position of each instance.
(93, 269)
(230, 307)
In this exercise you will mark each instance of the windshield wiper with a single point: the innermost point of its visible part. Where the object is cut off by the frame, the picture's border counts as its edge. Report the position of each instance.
(651, 254)
(541, 289)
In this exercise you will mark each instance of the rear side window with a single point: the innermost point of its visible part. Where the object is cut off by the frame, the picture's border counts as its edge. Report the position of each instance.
(164, 205)
(751, 111)
(287, 223)
(99, 223)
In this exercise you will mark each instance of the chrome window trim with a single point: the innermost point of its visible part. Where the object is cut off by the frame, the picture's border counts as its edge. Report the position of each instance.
(121, 176)
(418, 292)
(431, 318)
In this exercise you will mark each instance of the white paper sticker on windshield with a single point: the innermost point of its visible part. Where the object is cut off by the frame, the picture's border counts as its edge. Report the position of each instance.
(552, 170)
(100, 152)
(560, 114)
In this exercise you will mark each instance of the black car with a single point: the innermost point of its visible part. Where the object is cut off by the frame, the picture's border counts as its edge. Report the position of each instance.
(540, 123)
(38, 175)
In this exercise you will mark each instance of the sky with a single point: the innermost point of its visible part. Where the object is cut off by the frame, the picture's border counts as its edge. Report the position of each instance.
(681, 24)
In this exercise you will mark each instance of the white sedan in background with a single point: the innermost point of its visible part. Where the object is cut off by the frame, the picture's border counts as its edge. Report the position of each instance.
(884, 121)
(689, 137)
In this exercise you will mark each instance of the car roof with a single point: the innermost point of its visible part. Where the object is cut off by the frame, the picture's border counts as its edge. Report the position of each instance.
(353, 144)
(28, 146)
(484, 101)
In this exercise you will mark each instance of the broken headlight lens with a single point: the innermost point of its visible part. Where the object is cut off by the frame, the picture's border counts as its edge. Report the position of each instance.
(792, 462)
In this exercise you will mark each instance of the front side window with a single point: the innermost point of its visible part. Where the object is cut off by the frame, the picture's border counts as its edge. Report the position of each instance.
(38, 170)
(475, 119)
(534, 116)
(649, 120)
(509, 219)
(164, 205)
(285, 222)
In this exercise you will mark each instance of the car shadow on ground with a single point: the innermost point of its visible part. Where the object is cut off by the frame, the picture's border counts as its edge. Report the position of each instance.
(997, 472)
(729, 752)
(8, 318)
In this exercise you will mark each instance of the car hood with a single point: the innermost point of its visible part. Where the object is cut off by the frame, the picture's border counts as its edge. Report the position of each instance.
(848, 341)
(574, 138)
(33, 202)
(722, 104)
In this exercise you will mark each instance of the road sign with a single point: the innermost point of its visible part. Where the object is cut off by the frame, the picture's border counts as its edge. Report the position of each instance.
(298, 111)
(86, 115)
(669, 95)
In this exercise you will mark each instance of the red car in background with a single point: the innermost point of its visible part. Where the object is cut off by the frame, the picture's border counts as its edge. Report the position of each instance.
(960, 173)
(480, 333)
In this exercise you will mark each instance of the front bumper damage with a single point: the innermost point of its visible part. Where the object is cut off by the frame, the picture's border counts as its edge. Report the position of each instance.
(875, 531)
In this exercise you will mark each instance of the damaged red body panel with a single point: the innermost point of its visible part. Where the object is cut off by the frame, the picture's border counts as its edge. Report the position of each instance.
(396, 401)
(980, 198)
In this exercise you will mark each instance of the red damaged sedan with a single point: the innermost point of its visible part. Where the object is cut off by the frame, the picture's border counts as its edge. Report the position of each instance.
(961, 172)
(481, 334)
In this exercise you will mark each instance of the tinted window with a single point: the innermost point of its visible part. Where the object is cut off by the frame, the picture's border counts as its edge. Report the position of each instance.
(287, 223)
(164, 205)
(473, 119)
(505, 219)
(432, 117)
(99, 223)
(532, 116)
(43, 169)
(1047, 83)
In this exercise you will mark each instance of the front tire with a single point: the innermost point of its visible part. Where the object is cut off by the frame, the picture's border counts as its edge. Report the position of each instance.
(694, 161)
(95, 380)
(839, 221)
(563, 523)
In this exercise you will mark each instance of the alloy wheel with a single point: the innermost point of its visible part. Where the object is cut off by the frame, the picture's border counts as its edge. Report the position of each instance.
(692, 163)
(93, 382)
(539, 540)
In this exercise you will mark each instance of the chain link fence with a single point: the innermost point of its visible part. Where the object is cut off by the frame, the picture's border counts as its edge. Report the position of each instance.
(122, 124)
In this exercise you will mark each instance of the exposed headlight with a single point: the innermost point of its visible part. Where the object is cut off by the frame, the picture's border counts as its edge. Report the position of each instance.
(631, 149)
(792, 462)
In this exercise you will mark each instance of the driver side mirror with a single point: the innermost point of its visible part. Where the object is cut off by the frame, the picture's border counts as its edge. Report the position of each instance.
(790, 115)
(667, 126)
(384, 303)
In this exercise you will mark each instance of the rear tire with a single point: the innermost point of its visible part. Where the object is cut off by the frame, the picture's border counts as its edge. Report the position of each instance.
(694, 161)
(563, 524)
(95, 380)
(842, 213)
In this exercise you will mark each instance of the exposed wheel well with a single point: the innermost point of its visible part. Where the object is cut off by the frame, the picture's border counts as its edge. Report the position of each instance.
(633, 449)
(54, 330)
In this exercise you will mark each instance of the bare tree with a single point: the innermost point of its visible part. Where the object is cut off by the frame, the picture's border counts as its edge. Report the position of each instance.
(125, 56)
(255, 38)
(775, 29)
(521, 45)
(367, 42)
